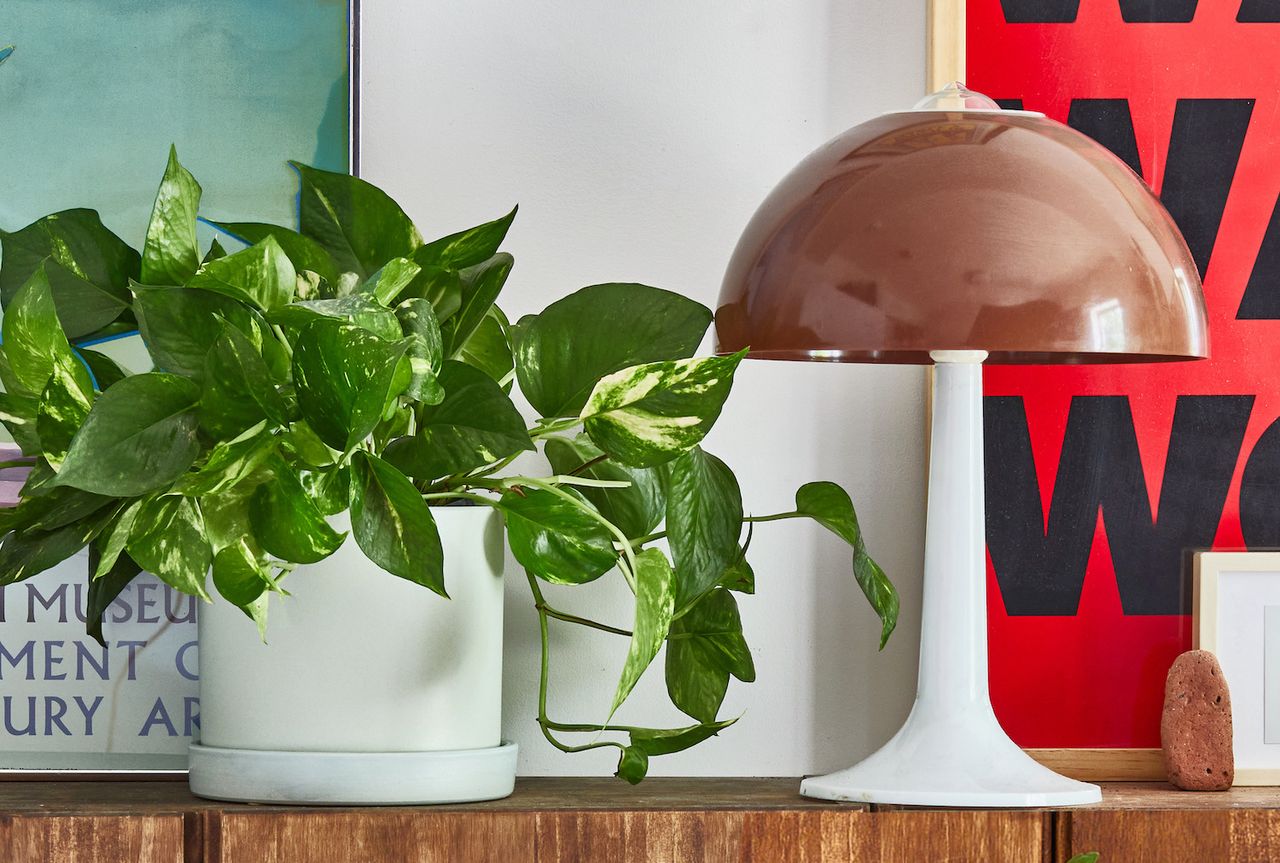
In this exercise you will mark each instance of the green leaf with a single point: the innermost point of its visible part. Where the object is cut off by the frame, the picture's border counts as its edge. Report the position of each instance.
(304, 252)
(476, 424)
(555, 539)
(330, 490)
(61, 411)
(261, 276)
(8, 379)
(344, 376)
(24, 553)
(704, 521)
(18, 413)
(287, 522)
(215, 252)
(879, 591)
(649, 414)
(359, 309)
(50, 507)
(393, 525)
(111, 543)
(830, 505)
(168, 540)
(466, 248)
(356, 222)
(33, 339)
(481, 285)
(633, 765)
(139, 436)
(655, 605)
(489, 349)
(597, 331)
(226, 513)
(307, 446)
(104, 589)
(1087, 857)
(88, 267)
(105, 370)
(179, 325)
(386, 284)
(635, 510)
(170, 255)
(229, 463)
(238, 574)
(739, 576)
(426, 350)
(440, 287)
(238, 390)
(705, 646)
(647, 742)
(670, 741)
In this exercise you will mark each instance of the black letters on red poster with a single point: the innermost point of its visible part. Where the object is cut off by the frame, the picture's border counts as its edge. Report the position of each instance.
(1101, 480)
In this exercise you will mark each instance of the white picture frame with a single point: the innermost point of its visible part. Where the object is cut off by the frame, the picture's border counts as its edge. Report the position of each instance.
(1236, 616)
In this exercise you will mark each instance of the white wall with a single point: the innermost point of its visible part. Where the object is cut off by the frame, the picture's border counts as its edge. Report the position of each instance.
(638, 138)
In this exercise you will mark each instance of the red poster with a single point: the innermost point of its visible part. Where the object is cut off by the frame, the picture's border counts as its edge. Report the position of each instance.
(1102, 479)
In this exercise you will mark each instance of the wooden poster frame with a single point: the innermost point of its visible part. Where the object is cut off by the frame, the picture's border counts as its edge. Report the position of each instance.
(945, 62)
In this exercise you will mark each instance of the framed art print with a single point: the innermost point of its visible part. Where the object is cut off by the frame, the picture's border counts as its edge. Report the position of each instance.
(1237, 617)
(1110, 476)
(93, 95)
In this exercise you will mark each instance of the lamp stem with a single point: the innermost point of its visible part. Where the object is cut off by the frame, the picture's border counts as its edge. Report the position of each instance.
(951, 751)
(953, 637)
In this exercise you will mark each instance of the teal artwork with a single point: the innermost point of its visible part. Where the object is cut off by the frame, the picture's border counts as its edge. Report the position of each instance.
(92, 95)
(93, 92)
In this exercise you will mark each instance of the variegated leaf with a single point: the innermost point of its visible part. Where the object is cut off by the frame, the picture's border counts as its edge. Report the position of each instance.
(168, 539)
(648, 414)
(655, 605)
(62, 410)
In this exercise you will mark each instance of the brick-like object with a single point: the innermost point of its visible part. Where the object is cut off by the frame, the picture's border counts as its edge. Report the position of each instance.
(1195, 727)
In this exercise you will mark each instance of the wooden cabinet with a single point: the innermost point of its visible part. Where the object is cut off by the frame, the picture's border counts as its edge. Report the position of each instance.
(590, 820)
(88, 822)
(1150, 821)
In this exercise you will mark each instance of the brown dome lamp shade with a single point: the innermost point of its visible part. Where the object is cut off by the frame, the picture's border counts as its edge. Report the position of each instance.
(1000, 231)
(957, 234)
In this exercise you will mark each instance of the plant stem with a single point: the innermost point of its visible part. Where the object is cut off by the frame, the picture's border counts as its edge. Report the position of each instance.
(540, 603)
(463, 495)
(587, 465)
(553, 427)
(288, 348)
(17, 462)
(588, 482)
(779, 516)
(587, 727)
(750, 519)
(581, 621)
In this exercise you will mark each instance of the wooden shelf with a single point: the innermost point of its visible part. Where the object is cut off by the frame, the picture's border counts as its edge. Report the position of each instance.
(565, 820)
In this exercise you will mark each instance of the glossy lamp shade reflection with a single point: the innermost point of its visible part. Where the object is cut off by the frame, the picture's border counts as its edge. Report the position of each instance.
(962, 230)
(958, 235)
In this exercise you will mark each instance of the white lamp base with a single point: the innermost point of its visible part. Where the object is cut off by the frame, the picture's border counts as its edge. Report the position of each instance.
(957, 761)
(952, 750)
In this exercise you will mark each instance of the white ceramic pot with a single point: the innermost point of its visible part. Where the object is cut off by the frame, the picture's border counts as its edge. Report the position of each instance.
(370, 689)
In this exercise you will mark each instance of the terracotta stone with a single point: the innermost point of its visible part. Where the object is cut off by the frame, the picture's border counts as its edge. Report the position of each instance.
(1195, 728)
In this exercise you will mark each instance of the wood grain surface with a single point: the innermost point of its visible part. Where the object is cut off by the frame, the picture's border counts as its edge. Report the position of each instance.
(650, 836)
(80, 838)
(567, 820)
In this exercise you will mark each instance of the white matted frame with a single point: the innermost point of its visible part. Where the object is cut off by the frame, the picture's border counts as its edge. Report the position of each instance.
(1233, 592)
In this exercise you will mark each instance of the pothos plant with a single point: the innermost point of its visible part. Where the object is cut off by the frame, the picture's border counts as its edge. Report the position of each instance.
(351, 367)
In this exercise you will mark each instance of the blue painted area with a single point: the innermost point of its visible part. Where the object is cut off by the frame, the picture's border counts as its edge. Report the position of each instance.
(5, 52)
(104, 87)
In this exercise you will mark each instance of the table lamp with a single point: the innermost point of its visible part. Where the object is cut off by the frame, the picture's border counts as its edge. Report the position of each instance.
(958, 234)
